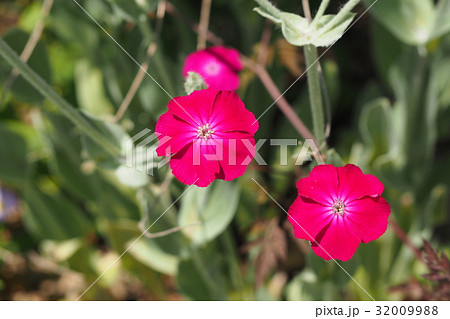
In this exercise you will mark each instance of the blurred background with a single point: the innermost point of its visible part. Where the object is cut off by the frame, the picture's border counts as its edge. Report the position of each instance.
(68, 209)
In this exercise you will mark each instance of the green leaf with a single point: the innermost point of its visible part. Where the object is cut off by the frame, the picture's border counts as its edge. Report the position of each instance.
(441, 21)
(376, 127)
(13, 157)
(437, 206)
(299, 32)
(324, 37)
(131, 177)
(90, 89)
(114, 133)
(112, 202)
(295, 29)
(66, 161)
(38, 61)
(201, 277)
(122, 234)
(53, 217)
(386, 49)
(132, 9)
(211, 208)
(149, 253)
(31, 137)
(334, 158)
(60, 251)
(411, 21)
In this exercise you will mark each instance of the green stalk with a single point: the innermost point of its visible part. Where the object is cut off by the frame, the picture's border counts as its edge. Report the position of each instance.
(233, 260)
(315, 95)
(322, 8)
(62, 105)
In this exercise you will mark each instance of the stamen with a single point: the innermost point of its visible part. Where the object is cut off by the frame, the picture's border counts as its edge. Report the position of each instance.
(204, 131)
(339, 207)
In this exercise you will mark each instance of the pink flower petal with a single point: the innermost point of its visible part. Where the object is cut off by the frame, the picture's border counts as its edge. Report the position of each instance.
(321, 185)
(308, 218)
(338, 208)
(337, 241)
(354, 184)
(368, 217)
(229, 114)
(218, 66)
(173, 134)
(195, 108)
(188, 171)
(206, 124)
(236, 154)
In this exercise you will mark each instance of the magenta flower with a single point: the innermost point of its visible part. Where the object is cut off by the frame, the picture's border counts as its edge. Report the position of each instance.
(209, 135)
(218, 66)
(337, 208)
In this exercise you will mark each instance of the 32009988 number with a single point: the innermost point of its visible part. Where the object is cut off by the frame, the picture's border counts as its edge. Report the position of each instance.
(404, 310)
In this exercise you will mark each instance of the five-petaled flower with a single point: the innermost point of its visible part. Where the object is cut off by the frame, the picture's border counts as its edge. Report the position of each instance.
(219, 67)
(209, 135)
(337, 208)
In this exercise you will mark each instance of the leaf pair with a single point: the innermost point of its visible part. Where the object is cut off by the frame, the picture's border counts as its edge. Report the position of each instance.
(323, 31)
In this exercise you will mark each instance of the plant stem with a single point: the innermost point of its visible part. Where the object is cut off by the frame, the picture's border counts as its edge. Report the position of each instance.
(62, 105)
(277, 96)
(307, 10)
(159, 63)
(204, 23)
(315, 95)
(233, 260)
(321, 11)
(160, 13)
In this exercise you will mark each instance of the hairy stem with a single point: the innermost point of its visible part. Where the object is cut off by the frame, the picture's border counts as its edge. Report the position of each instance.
(322, 8)
(62, 105)
(315, 95)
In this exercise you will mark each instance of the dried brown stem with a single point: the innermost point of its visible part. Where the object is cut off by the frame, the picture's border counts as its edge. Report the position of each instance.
(275, 93)
(265, 41)
(160, 13)
(204, 23)
(30, 45)
(211, 37)
(307, 10)
(170, 231)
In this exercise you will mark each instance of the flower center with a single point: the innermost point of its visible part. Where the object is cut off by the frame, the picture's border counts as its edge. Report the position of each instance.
(339, 207)
(204, 131)
(212, 68)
